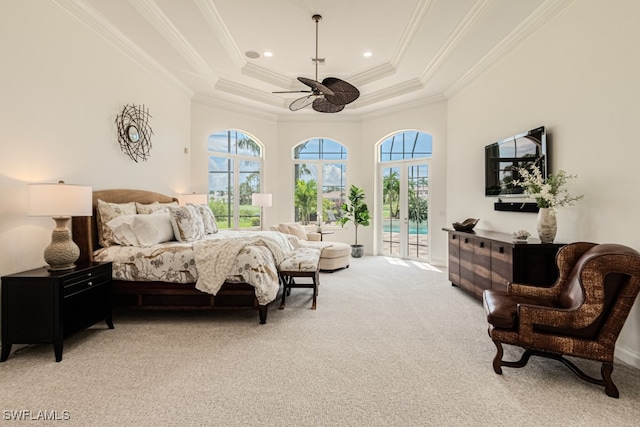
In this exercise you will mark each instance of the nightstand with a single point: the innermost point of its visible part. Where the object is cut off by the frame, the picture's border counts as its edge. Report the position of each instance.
(41, 306)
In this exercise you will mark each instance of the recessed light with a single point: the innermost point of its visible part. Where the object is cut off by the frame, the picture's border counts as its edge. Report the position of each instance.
(367, 54)
(251, 54)
(267, 54)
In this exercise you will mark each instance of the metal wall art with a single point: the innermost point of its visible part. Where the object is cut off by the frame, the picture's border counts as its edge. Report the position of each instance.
(134, 132)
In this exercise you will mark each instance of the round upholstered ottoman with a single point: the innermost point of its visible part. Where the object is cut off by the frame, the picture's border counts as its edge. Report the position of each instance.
(335, 257)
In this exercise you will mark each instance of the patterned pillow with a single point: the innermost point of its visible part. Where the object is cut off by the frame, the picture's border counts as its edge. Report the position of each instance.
(187, 223)
(208, 218)
(153, 207)
(105, 213)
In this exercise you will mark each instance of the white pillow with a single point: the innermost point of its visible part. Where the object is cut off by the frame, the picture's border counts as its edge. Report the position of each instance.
(153, 207)
(105, 213)
(187, 223)
(142, 230)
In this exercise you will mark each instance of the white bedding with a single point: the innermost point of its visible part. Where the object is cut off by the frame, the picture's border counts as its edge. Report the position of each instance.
(176, 262)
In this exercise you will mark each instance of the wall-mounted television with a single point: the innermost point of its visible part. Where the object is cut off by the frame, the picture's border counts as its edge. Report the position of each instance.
(504, 158)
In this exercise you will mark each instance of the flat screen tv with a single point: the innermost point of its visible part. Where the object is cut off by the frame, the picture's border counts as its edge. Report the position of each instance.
(504, 158)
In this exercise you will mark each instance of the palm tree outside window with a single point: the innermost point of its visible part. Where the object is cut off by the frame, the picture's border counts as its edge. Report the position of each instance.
(235, 173)
(320, 166)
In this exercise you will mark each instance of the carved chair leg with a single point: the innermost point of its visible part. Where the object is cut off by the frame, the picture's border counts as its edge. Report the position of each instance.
(497, 360)
(609, 387)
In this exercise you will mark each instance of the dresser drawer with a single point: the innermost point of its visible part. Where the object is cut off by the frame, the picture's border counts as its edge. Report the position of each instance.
(87, 280)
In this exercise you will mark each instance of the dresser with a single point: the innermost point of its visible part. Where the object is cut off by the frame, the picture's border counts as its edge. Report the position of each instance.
(41, 306)
(483, 259)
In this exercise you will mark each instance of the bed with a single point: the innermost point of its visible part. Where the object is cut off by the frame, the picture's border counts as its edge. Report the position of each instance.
(153, 291)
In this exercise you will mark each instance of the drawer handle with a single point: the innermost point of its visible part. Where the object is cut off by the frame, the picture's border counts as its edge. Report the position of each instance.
(466, 240)
(90, 283)
(482, 244)
(501, 249)
(89, 274)
(454, 237)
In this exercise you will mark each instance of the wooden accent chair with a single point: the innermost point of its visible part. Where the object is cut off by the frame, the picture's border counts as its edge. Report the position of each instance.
(581, 315)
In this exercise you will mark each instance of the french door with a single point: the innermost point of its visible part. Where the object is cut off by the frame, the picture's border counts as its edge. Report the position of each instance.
(404, 229)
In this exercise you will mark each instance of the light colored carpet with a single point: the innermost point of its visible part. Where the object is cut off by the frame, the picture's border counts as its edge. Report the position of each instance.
(391, 344)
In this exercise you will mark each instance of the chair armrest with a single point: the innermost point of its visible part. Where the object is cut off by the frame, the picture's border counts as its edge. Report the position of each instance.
(547, 293)
(313, 237)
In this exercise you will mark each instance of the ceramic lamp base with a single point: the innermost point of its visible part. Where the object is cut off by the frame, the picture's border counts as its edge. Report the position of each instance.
(62, 253)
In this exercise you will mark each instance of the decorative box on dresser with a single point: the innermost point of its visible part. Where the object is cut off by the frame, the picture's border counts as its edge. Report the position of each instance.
(42, 306)
(483, 259)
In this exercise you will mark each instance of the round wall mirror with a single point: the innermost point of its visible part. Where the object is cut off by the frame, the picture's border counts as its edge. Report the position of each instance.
(133, 134)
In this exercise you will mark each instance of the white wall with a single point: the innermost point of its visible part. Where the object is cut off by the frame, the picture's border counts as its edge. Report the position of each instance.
(62, 88)
(579, 76)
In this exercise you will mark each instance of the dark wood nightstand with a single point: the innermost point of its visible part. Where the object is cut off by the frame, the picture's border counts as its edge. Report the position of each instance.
(41, 306)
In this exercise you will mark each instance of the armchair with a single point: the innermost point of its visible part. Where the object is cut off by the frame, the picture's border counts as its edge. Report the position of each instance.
(581, 315)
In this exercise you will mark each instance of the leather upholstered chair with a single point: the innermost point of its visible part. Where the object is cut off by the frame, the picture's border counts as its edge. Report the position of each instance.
(581, 315)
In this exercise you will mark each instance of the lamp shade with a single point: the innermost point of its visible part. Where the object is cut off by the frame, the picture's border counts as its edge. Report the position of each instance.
(59, 200)
(196, 199)
(261, 199)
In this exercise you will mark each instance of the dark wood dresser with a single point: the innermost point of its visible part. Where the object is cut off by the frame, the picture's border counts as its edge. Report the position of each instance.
(483, 259)
(41, 306)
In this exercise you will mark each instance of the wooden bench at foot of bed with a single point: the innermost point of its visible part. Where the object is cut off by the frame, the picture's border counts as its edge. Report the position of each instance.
(160, 295)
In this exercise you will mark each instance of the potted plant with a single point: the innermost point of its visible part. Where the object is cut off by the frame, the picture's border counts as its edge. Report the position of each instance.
(357, 212)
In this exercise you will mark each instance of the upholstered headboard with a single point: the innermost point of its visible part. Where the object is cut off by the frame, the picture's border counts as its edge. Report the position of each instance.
(85, 228)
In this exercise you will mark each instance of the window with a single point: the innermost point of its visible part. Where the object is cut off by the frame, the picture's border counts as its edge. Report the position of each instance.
(319, 164)
(235, 169)
(406, 145)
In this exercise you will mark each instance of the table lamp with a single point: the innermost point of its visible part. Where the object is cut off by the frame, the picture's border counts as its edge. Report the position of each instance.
(262, 200)
(60, 201)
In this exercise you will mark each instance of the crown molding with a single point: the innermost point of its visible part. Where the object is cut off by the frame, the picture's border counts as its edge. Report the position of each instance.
(462, 29)
(93, 20)
(526, 29)
(389, 92)
(226, 105)
(154, 15)
(217, 25)
(421, 10)
(411, 105)
(372, 74)
(237, 89)
(268, 76)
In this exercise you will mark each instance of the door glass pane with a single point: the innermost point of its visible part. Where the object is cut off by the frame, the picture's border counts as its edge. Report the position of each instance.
(333, 191)
(391, 211)
(249, 183)
(418, 211)
(306, 192)
(221, 190)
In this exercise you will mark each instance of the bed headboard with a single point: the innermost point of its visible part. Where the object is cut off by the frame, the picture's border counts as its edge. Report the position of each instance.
(85, 229)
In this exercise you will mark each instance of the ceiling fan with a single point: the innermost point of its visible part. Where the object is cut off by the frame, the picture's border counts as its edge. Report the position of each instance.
(330, 96)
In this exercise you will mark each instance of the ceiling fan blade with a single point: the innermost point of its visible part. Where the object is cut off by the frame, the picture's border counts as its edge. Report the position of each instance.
(292, 91)
(316, 85)
(343, 92)
(323, 106)
(300, 103)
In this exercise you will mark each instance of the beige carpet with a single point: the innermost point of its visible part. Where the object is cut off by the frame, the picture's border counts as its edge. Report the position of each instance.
(391, 344)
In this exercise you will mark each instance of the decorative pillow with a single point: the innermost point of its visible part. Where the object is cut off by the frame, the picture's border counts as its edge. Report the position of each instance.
(187, 223)
(297, 230)
(105, 213)
(208, 218)
(142, 230)
(153, 207)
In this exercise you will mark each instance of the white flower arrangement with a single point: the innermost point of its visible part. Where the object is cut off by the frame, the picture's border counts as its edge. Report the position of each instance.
(550, 193)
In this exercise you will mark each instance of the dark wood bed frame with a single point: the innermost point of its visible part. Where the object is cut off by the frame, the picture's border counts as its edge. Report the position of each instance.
(159, 295)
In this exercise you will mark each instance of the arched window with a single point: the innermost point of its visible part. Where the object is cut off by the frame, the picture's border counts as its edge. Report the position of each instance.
(319, 163)
(406, 145)
(235, 171)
